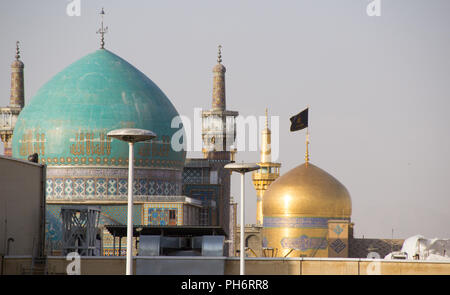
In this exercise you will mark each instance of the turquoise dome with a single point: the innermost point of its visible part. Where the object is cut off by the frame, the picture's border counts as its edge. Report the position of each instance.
(66, 122)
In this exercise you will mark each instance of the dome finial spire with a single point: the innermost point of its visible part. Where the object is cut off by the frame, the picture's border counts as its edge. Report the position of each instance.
(17, 50)
(307, 150)
(219, 54)
(267, 119)
(307, 144)
(102, 31)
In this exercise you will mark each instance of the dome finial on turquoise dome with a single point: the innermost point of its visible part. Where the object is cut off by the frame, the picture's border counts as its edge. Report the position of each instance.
(102, 31)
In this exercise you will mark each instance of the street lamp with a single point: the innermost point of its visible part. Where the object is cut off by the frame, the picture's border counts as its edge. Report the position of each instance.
(130, 135)
(242, 168)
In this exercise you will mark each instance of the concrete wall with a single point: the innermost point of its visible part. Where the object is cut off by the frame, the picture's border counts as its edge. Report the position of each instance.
(22, 206)
(90, 265)
(336, 266)
(254, 266)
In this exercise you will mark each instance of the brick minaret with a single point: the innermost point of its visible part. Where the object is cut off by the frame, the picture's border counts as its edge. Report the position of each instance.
(8, 115)
(218, 136)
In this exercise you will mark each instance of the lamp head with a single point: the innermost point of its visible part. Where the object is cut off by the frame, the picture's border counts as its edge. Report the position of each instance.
(132, 134)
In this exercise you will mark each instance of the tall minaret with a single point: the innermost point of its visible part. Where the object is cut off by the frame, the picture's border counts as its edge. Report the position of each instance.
(219, 102)
(269, 171)
(8, 115)
(218, 131)
(17, 85)
(218, 136)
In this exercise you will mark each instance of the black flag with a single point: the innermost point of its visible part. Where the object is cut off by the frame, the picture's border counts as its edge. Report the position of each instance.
(300, 121)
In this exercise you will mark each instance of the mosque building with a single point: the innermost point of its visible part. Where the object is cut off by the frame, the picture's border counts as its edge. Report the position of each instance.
(305, 212)
(66, 123)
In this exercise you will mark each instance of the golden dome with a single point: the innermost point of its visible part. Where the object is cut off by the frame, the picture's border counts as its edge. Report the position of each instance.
(307, 190)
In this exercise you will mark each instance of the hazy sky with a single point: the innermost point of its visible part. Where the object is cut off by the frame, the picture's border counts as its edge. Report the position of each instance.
(378, 86)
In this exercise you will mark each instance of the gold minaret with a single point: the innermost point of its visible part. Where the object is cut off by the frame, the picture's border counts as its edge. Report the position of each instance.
(269, 171)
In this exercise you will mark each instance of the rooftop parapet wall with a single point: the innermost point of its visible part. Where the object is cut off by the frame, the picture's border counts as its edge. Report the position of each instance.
(254, 266)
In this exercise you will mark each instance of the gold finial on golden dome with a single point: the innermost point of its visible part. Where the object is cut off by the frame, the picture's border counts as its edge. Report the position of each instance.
(307, 150)
(102, 31)
(219, 54)
(307, 144)
(17, 51)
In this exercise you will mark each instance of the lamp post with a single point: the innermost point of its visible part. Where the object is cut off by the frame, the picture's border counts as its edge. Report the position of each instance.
(130, 135)
(242, 168)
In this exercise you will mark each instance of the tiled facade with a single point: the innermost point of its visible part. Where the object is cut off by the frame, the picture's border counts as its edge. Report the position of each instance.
(107, 183)
(193, 175)
(211, 200)
(103, 188)
(159, 214)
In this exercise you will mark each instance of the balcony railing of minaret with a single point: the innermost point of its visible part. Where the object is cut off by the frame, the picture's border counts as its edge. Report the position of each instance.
(265, 176)
(5, 119)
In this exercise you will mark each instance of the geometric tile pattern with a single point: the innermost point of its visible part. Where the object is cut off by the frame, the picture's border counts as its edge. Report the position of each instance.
(90, 187)
(158, 213)
(59, 188)
(338, 230)
(192, 175)
(159, 216)
(111, 161)
(79, 187)
(98, 188)
(101, 187)
(143, 187)
(123, 187)
(112, 186)
(49, 187)
(337, 245)
(68, 188)
(296, 222)
(304, 243)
